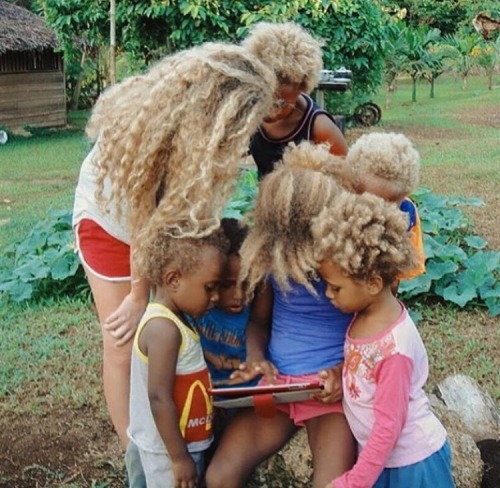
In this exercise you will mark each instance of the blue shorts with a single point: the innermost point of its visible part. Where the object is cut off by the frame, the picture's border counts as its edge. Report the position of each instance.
(434, 470)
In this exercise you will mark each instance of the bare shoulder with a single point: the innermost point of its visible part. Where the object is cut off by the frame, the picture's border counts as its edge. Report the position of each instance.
(159, 331)
(325, 130)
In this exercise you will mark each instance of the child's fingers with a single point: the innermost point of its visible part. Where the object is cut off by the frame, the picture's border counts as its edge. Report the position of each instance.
(239, 377)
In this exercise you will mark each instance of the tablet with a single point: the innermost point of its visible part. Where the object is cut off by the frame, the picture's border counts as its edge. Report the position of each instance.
(239, 391)
(244, 396)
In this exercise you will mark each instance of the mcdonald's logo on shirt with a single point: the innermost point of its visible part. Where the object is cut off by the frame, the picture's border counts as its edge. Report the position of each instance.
(194, 405)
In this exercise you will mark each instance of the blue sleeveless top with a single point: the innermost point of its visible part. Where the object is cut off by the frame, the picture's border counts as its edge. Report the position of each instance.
(267, 151)
(307, 332)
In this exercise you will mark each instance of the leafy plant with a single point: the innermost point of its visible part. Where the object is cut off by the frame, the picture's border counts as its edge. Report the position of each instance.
(459, 268)
(244, 196)
(44, 264)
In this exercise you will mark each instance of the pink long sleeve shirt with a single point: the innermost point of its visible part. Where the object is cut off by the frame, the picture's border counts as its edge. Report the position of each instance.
(385, 403)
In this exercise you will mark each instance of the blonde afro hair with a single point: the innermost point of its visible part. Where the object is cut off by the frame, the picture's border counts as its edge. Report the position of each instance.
(160, 252)
(280, 242)
(287, 48)
(169, 141)
(365, 236)
(389, 156)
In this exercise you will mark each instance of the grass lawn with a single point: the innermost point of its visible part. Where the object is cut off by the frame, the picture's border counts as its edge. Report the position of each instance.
(55, 430)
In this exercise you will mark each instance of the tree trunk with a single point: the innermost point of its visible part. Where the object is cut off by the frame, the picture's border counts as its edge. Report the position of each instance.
(78, 85)
(112, 42)
(432, 86)
(414, 89)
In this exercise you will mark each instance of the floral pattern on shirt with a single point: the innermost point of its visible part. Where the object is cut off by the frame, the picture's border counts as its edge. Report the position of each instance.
(361, 359)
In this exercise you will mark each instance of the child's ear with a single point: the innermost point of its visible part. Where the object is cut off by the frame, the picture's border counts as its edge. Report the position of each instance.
(375, 285)
(171, 278)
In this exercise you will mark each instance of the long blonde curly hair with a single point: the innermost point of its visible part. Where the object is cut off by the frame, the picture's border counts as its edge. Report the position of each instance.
(170, 140)
(280, 241)
(365, 236)
(294, 55)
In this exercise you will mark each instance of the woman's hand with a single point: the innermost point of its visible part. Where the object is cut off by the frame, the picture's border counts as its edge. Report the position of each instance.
(122, 323)
(332, 385)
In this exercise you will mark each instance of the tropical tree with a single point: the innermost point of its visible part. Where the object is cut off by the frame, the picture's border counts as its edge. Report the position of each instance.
(444, 15)
(418, 58)
(487, 54)
(436, 56)
(395, 58)
(82, 29)
(463, 47)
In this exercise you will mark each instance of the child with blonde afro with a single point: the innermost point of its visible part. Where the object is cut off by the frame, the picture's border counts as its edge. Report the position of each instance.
(294, 335)
(388, 165)
(166, 152)
(296, 58)
(361, 244)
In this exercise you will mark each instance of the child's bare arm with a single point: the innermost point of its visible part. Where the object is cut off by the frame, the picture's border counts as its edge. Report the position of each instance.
(257, 339)
(162, 340)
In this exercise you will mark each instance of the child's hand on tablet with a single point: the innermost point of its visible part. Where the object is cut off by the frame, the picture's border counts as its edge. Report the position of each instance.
(332, 385)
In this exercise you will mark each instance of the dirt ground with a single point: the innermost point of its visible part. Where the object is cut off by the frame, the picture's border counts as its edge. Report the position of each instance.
(64, 447)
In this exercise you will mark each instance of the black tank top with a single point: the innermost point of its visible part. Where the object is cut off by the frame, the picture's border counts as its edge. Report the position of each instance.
(267, 151)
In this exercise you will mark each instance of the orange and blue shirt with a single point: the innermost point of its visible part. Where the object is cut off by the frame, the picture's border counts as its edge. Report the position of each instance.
(416, 237)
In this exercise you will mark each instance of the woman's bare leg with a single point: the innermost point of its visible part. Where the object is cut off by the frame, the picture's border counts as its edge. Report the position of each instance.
(247, 441)
(332, 445)
(108, 296)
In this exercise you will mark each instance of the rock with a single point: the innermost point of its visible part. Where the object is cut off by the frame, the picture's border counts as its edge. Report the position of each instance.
(289, 468)
(474, 406)
(466, 457)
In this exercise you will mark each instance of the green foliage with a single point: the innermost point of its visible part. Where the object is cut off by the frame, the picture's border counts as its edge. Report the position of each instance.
(44, 264)
(458, 268)
(148, 29)
(244, 196)
(355, 37)
(82, 28)
(463, 47)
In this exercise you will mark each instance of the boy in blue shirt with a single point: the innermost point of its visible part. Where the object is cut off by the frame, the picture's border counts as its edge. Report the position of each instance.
(222, 329)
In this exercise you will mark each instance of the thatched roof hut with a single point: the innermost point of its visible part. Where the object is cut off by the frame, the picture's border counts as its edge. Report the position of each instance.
(32, 85)
(21, 30)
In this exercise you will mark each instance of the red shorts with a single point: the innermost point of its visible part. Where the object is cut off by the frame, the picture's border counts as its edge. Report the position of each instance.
(102, 254)
(299, 412)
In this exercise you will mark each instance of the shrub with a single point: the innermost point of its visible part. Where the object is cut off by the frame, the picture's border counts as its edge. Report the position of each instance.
(459, 268)
(44, 264)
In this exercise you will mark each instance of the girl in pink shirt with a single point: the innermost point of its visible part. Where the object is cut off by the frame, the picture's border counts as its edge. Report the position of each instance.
(362, 245)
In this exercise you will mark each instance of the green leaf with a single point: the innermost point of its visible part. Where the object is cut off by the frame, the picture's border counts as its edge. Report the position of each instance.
(435, 270)
(476, 242)
(490, 289)
(460, 292)
(493, 305)
(415, 286)
(32, 270)
(486, 260)
(64, 267)
(17, 290)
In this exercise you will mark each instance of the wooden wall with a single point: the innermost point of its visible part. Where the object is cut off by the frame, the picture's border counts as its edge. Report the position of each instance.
(34, 98)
